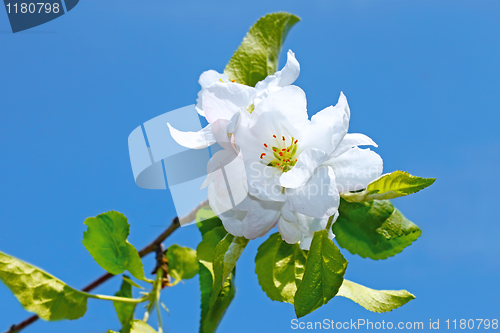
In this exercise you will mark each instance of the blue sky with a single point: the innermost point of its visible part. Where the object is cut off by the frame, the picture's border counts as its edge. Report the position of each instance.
(421, 77)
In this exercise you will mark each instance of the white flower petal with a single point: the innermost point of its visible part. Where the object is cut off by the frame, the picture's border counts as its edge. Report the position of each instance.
(263, 181)
(309, 225)
(331, 235)
(261, 217)
(318, 198)
(307, 163)
(289, 104)
(352, 140)
(342, 103)
(252, 218)
(223, 100)
(218, 195)
(305, 243)
(229, 186)
(289, 231)
(284, 77)
(220, 130)
(194, 140)
(219, 159)
(231, 220)
(327, 127)
(290, 72)
(356, 168)
(287, 214)
(210, 77)
(206, 79)
(233, 122)
(251, 147)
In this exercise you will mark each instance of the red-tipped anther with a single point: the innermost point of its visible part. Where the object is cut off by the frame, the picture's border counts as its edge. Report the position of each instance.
(283, 149)
(283, 138)
(288, 150)
(295, 160)
(277, 164)
(262, 155)
(274, 136)
(274, 150)
(281, 154)
(265, 145)
(296, 141)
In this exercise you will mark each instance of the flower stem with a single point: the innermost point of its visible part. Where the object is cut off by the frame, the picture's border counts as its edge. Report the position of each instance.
(330, 222)
(117, 299)
(158, 285)
(154, 296)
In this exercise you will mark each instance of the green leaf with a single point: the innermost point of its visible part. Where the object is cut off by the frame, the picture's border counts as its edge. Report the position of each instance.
(390, 186)
(106, 240)
(211, 315)
(323, 276)
(182, 263)
(40, 292)
(225, 255)
(279, 267)
(257, 56)
(204, 213)
(207, 220)
(125, 311)
(138, 326)
(131, 282)
(374, 300)
(373, 229)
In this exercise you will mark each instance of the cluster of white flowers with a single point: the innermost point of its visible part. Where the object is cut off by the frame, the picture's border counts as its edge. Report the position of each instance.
(285, 169)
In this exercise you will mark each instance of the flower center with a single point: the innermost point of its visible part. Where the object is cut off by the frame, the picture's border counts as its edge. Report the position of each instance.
(282, 154)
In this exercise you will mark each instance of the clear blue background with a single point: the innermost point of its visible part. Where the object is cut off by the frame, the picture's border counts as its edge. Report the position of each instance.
(422, 79)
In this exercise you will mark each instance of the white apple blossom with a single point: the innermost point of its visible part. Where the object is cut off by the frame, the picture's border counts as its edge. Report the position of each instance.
(301, 165)
(293, 168)
(220, 98)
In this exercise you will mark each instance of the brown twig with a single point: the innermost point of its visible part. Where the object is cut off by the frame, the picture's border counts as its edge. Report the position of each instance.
(151, 247)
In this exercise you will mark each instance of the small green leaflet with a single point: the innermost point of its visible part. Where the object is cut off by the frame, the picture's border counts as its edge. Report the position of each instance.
(257, 56)
(138, 326)
(225, 255)
(106, 240)
(207, 220)
(374, 300)
(131, 282)
(211, 315)
(40, 292)
(125, 311)
(204, 213)
(390, 186)
(280, 267)
(373, 229)
(182, 263)
(323, 276)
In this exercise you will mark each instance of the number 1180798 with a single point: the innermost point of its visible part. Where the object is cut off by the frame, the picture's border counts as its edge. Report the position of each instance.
(33, 8)
(472, 324)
